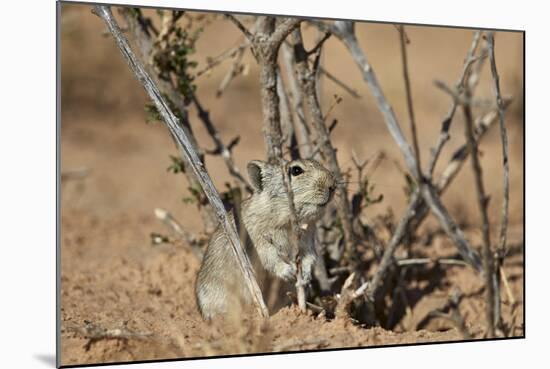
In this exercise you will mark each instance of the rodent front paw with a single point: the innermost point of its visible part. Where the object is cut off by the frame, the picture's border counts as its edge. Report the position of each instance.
(306, 277)
(286, 271)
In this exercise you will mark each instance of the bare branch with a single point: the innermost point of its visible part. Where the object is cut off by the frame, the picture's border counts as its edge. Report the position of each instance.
(283, 29)
(306, 77)
(95, 333)
(387, 258)
(176, 227)
(501, 248)
(504, 278)
(214, 62)
(446, 124)
(319, 44)
(482, 201)
(346, 297)
(451, 228)
(417, 210)
(403, 41)
(504, 141)
(454, 315)
(287, 118)
(300, 124)
(344, 31)
(349, 39)
(236, 69)
(241, 26)
(338, 82)
(455, 164)
(220, 146)
(460, 99)
(265, 45)
(429, 261)
(190, 156)
(459, 156)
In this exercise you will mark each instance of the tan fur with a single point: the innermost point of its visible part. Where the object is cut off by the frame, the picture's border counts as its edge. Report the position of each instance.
(266, 217)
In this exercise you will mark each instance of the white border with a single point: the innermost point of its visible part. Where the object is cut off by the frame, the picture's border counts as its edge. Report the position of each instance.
(27, 154)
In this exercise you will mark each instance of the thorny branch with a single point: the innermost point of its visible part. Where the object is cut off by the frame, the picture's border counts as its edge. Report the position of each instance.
(223, 150)
(344, 30)
(174, 225)
(446, 124)
(501, 250)
(417, 210)
(482, 201)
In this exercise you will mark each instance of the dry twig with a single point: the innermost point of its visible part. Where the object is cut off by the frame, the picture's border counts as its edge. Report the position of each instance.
(339, 83)
(221, 148)
(176, 227)
(403, 43)
(454, 315)
(501, 249)
(446, 124)
(94, 333)
(214, 62)
(482, 201)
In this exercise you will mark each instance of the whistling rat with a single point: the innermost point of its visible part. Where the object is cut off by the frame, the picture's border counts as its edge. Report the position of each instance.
(266, 218)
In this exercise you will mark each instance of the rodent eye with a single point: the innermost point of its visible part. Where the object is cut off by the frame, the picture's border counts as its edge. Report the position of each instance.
(296, 170)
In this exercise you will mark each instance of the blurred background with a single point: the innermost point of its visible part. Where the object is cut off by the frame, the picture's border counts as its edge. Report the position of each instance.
(103, 116)
(109, 215)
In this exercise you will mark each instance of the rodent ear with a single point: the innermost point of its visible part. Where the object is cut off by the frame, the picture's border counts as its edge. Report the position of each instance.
(255, 168)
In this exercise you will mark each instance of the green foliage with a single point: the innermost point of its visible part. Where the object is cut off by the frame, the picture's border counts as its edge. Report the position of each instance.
(197, 195)
(410, 185)
(135, 12)
(152, 114)
(177, 165)
(367, 190)
(172, 58)
(188, 200)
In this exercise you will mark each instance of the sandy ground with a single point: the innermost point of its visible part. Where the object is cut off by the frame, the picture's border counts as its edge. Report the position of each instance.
(112, 277)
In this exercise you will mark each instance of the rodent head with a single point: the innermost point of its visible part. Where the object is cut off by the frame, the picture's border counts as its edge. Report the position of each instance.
(312, 185)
